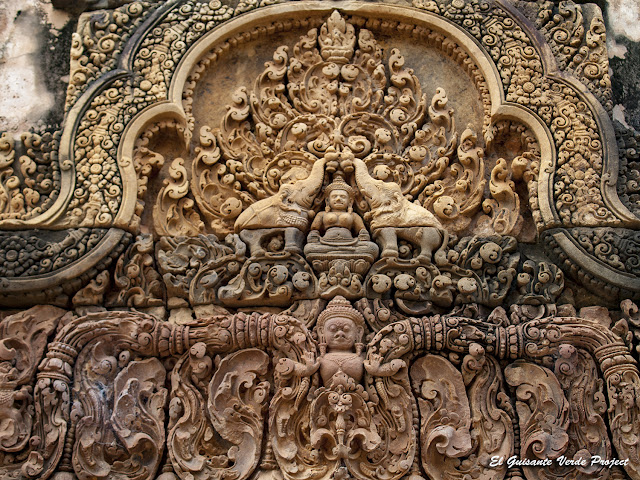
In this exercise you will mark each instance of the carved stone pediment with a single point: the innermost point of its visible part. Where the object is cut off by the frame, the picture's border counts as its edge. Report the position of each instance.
(337, 95)
(323, 241)
(463, 105)
(336, 108)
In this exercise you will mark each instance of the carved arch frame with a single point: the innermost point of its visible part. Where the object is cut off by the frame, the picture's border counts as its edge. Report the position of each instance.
(555, 233)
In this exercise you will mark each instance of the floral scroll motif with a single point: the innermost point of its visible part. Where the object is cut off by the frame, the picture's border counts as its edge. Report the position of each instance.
(334, 96)
(231, 406)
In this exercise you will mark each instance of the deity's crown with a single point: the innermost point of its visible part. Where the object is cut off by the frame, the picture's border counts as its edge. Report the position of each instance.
(340, 307)
(339, 184)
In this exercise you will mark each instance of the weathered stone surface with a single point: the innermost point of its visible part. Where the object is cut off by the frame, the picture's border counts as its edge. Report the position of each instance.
(336, 405)
(323, 241)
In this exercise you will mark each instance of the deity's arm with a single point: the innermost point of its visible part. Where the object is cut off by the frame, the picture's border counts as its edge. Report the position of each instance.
(288, 367)
(318, 222)
(358, 223)
(374, 366)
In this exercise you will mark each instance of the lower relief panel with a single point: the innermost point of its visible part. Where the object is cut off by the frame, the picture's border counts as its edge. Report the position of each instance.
(123, 395)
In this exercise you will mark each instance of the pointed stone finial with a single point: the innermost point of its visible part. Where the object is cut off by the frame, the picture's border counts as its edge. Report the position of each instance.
(337, 39)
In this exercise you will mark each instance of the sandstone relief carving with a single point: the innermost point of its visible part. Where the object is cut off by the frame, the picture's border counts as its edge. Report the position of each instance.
(334, 100)
(81, 176)
(425, 396)
(347, 274)
(309, 135)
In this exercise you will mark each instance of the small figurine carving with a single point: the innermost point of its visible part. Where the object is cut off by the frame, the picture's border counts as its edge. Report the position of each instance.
(345, 252)
(340, 332)
(392, 216)
(341, 363)
(339, 212)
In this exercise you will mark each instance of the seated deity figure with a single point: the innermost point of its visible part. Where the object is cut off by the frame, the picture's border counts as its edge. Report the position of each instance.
(344, 232)
(339, 210)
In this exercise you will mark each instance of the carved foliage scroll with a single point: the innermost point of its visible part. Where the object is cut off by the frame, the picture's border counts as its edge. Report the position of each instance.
(577, 373)
(393, 416)
(444, 411)
(136, 281)
(173, 213)
(127, 440)
(23, 339)
(216, 429)
(30, 183)
(193, 268)
(543, 413)
(461, 429)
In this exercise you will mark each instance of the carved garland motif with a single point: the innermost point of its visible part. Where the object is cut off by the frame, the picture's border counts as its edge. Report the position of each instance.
(336, 407)
(333, 261)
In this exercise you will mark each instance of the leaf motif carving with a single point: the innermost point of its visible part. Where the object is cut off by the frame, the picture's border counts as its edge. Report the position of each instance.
(543, 413)
(445, 415)
(124, 441)
(138, 412)
(216, 429)
(578, 375)
(216, 190)
(174, 212)
(457, 195)
(492, 427)
(136, 281)
(23, 338)
(503, 210)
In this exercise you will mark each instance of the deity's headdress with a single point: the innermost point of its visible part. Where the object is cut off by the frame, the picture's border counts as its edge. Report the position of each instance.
(339, 184)
(340, 307)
